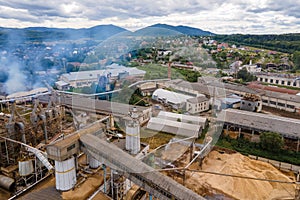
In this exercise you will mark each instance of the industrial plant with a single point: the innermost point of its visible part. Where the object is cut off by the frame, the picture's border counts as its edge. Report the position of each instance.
(48, 135)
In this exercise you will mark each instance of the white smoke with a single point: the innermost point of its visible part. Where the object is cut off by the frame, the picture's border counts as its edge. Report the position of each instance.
(16, 79)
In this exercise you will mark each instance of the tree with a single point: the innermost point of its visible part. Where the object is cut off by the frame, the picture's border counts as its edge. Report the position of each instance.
(296, 59)
(245, 75)
(271, 141)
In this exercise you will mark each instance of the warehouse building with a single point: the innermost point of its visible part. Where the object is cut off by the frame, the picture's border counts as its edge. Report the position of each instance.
(174, 127)
(202, 121)
(178, 124)
(254, 123)
(87, 78)
(174, 99)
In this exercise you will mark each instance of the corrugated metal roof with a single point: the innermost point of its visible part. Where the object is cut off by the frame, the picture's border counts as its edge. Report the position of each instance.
(115, 71)
(61, 83)
(286, 126)
(198, 99)
(184, 118)
(173, 127)
(172, 97)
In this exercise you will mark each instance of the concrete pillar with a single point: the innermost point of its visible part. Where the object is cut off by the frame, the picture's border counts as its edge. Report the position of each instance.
(252, 134)
(298, 144)
(104, 175)
(240, 129)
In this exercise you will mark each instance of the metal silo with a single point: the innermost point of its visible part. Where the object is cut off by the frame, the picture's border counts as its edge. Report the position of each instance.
(65, 174)
(25, 168)
(133, 133)
(93, 163)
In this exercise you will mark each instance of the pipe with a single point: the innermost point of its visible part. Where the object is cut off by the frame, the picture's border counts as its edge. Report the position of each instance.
(7, 183)
(43, 117)
(22, 130)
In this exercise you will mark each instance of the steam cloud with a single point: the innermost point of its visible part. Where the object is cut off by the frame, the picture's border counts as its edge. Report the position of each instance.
(12, 76)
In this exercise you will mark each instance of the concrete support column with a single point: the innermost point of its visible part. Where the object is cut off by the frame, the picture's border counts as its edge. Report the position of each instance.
(104, 175)
(240, 129)
(252, 134)
(298, 144)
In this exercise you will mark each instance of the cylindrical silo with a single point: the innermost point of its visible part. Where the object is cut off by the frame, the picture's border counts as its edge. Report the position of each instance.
(133, 132)
(93, 163)
(25, 168)
(65, 174)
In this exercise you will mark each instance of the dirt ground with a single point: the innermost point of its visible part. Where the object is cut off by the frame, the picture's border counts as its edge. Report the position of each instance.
(238, 188)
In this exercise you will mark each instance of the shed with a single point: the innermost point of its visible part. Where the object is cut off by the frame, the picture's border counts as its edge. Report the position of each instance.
(197, 120)
(174, 127)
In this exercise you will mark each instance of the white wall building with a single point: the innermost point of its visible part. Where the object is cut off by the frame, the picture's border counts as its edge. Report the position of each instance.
(176, 100)
(253, 69)
(279, 79)
(197, 104)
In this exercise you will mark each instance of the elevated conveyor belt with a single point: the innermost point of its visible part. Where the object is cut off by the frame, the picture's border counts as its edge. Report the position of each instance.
(141, 174)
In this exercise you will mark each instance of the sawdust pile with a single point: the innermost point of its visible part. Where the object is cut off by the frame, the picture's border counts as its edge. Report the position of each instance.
(173, 151)
(85, 189)
(237, 188)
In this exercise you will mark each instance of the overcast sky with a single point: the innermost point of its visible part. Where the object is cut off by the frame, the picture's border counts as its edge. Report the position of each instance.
(218, 16)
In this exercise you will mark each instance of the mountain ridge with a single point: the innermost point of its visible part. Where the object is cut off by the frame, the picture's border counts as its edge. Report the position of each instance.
(186, 30)
(101, 32)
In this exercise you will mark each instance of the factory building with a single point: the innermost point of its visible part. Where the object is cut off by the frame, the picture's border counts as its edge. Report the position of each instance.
(279, 79)
(254, 123)
(179, 124)
(174, 99)
(197, 120)
(174, 127)
(87, 78)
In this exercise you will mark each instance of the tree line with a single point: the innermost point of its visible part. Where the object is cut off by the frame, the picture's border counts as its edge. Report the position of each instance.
(288, 43)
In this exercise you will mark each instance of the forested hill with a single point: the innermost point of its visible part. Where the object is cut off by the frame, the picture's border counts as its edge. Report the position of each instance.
(288, 43)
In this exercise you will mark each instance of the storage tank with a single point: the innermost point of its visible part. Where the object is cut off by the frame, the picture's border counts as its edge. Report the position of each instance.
(93, 163)
(133, 133)
(25, 168)
(65, 174)
(7, 183)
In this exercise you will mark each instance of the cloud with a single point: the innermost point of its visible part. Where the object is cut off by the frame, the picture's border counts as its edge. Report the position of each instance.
(219, 16)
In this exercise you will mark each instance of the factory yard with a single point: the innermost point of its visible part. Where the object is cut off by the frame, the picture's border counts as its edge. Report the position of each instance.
(238, 188)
